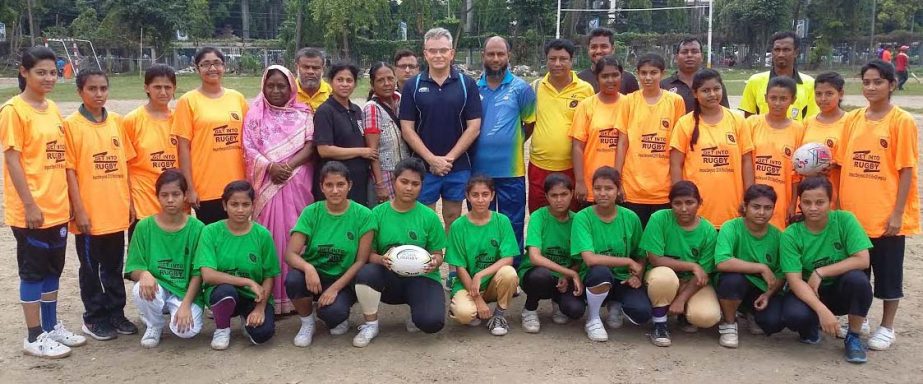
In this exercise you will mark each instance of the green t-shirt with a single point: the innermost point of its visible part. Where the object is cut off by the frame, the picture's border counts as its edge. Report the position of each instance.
(664, 237)
(419, 226)
(551, 237)
(168, 256)
(251, 255)
(736, 241)
(618, 238)
(476, 247)
(804, 251)
(332, 240)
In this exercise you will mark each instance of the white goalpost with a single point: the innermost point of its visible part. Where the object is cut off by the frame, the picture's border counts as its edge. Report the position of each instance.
(80, 53)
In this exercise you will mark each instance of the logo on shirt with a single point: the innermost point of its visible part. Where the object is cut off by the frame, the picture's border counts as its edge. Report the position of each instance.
(105, 162)
(252, 257)
(866, 161)
(167, 267)
(794, 113)
(226, 135)
(350, 235)
(484, 260)
(787, 151)
(331, 254)
(235, 116)
(665, 123)
(695, 252)
(115, 142)
(423, 89)
(558, 255)
(829, 143)
(573, 104)
(823, 262)
(653, 143)
(716, 157)
(674, 89)
(412, 235)
(838, 245)
(173, 140)
(768, 258)
(883, 142)
(494, 243)
(731, 139)
(767, 165)
(163, 161)
(608, 138)
(54, 151)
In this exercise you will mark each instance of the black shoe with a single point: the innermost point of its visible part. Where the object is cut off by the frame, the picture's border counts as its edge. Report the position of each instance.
(101, 331)
(660, 335)
(123, 326)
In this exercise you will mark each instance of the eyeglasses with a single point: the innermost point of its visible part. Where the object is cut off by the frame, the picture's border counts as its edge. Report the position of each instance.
(216, 64)
(408, 67)
(439, 51)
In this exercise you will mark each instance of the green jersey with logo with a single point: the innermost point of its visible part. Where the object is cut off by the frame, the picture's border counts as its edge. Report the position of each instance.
(618, 238)
(551, 237)
(476, 247)
(168, 256)
(664, 237)
(251, 255)
(803, 251)
(419, 226)
(332, 240)
(736, 241)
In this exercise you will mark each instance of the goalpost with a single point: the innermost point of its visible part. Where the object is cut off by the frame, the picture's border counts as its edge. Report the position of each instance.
(619, 10)
(80, 53)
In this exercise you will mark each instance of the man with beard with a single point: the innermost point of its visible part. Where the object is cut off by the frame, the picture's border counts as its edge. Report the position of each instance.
(785, 49)
(312, 89)
(601, 44)
(688, 56)
(508, 103)
(406, 66)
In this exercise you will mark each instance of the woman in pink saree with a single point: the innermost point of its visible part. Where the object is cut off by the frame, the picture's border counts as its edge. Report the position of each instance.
(278, 143)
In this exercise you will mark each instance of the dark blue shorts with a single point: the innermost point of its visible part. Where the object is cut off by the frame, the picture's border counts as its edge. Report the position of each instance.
(450, 187)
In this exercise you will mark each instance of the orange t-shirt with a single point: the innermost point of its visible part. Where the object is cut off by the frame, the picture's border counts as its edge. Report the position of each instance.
(716, 163)
(646, 173)
(97, 153)
(155, 152)
(39, 138)
(214, 129)
(772, 161)
(595, 125)
(829, 135)
(871, 154)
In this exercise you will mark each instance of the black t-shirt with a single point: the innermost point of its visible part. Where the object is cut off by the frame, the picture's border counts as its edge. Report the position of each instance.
(336, 125)
(677, 86)
(629, 81)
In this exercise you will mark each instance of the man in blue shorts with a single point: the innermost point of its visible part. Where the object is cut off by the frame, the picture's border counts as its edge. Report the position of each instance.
(509, 117)
(440, 117)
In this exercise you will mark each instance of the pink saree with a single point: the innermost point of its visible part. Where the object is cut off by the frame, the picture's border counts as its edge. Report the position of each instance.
(272, 134)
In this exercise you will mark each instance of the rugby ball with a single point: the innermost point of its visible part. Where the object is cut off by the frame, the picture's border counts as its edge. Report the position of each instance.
(811, 158)
(408, 260)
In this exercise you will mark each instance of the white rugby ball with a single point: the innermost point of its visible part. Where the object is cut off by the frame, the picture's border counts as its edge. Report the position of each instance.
(408, 260)
(811, 158)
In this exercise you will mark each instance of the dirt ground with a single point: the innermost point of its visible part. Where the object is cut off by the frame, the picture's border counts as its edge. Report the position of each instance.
(560, 353)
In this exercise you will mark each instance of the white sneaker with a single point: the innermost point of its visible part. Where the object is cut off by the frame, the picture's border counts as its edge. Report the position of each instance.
(45, 346)
(530, 322)
(411, 327)
(305, 333)
(596, 331)
(367, 332)
(728, 334)
(221, 339)
(557, 316)
(66, 337)
(844, 327)
(151, 337)
(340, 329)
(882, 339)
(753, 326)
(614, 318)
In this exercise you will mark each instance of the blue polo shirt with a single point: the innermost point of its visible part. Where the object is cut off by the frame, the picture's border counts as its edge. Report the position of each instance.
(498, 150)
(440, 113)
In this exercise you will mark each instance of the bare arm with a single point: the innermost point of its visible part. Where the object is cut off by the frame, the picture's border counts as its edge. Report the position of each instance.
(527, 130)
(580, 190)
(897, 213)
(340, 153)
(740, 266)
(183, 151)
(373, 140)
(669, 262)
(856, 262)
(195, 286)
(302, 156)
(472, 130)
(677, 159)
(620, 151)
(362, 257)
(73, 193)
(747, 169)
(539, 260)
(13, 160)
(413, 140)
(591, 259)
(213, 277)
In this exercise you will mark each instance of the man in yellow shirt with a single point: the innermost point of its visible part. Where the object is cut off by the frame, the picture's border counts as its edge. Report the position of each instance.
(557, 95)
(312, 89)
(785, 50)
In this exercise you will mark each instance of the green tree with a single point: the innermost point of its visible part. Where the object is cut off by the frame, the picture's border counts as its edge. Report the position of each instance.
(752, 22)
(342, 19)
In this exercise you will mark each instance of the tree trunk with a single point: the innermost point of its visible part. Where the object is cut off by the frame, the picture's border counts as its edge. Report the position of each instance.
(31, 23)
(245, 18)
(345, 43)
(299, 20)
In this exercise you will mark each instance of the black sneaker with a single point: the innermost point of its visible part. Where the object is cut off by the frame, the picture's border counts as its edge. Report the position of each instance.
(660, 335)
(101, 331)
(123, 326)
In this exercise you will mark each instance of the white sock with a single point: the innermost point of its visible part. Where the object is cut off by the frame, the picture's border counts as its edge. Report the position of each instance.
(594, 302)
(373, 322)
(309, 319)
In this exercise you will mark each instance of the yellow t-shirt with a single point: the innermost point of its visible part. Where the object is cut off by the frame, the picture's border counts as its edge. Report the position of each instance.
(155, 152)
(214, 129)
(554, 113)
(646, 173)
(39, 138)
(754, 97)
(772, 161)
(871, 153)
(715, 164)
(97, 153)
(319, 97)
(596, 124)
(829, 135)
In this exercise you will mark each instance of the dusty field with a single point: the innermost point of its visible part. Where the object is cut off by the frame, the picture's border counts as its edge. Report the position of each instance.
(458, 353)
